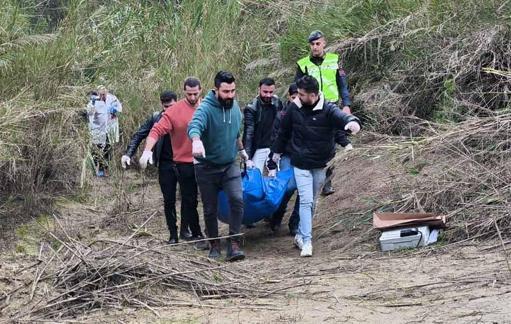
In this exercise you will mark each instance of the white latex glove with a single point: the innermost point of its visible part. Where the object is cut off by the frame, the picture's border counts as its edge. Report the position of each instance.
(198, 149)
(250, 164)
(244, 156)
(348, 147)
(147, 156)
(272, 173)
(352, 126)
(125, 160)
(276, 157)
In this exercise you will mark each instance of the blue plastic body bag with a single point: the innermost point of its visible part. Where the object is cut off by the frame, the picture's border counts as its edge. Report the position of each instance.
(256, 209)
(252, 184)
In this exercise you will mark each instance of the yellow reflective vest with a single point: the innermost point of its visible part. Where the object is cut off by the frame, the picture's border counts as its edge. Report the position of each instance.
(326, 74)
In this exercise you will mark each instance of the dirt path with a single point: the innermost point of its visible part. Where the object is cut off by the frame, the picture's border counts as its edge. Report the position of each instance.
(347, 279)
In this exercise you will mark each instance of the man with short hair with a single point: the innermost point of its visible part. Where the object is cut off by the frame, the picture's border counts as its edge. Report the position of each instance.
(308, 127)
(175, 123)
(284, 164)
(215, 134)
(162, 157)
(259, 116)
(333, 83)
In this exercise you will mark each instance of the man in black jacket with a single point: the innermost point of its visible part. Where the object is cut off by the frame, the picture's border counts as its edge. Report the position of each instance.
(162, 157)
(259, 116)
(285, 163)
(334, 84)
(309, 127)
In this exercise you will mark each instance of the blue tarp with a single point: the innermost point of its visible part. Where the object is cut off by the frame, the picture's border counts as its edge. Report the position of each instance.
(256, 206)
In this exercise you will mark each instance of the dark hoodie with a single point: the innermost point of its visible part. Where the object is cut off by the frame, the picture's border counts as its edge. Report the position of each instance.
(218, 127)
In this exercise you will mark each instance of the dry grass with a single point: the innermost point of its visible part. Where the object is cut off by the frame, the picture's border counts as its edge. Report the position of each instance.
(73, 279)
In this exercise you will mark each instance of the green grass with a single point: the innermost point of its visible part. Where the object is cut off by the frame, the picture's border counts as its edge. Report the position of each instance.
(30, 234)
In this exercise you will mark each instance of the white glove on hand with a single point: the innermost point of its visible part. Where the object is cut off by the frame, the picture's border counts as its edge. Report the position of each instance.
(272, 173)
(348, 147)
(276, 157)
(147, 156)
(198, 149)
(125, 160)
(250, 164)
(244, 156)
(352, 126)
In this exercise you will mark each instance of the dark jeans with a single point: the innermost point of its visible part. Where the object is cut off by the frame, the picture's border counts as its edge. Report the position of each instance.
(329, 176)
(211, 179)
(342, 139)
(294, 219)
(168, 184)
(185, 173)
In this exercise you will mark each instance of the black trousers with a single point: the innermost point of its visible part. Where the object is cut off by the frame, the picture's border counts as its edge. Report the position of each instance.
(185, 173)
(294, 219)
(168, 185)
(211, 179)
(329, 175)
(343, 140)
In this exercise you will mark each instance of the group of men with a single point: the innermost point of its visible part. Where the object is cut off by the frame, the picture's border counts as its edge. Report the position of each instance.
(195, 142)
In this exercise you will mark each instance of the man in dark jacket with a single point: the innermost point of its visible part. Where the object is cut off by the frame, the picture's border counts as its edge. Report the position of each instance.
(333, 83)
(309, 126)
(259, 116)
(162, 156)
(285, 163)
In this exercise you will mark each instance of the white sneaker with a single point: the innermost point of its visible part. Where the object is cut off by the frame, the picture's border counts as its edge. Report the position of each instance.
(306, 249)
(298, 241)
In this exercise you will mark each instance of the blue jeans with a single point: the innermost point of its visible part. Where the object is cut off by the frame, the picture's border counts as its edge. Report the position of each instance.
(284, 164)
(309, 183)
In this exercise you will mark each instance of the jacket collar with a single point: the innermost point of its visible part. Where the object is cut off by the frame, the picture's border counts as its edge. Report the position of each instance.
(272, 102)
(319, 105)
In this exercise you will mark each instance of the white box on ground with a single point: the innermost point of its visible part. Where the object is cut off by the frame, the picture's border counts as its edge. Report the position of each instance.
(402, 238)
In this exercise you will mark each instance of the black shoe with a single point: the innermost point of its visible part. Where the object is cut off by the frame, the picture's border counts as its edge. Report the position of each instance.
(292, 231)
(172, 240)
(186, 235)
(327, 190)
(233, 251)
(200, 245)
(251, 225)
(275, 228)
(214, 250)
